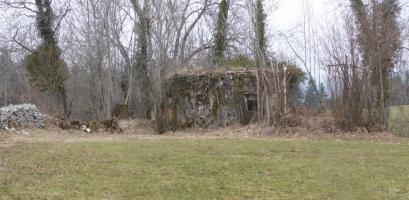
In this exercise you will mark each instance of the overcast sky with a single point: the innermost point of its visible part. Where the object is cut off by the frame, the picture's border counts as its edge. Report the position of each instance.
(288, 17)
(289, 12)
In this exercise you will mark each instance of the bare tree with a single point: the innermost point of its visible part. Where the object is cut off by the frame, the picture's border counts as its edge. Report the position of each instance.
(361, 56)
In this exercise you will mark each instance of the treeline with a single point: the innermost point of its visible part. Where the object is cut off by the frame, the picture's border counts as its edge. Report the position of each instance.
(84, 57)
(361, 56)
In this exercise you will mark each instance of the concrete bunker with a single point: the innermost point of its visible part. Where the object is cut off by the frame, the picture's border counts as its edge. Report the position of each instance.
(210, 99)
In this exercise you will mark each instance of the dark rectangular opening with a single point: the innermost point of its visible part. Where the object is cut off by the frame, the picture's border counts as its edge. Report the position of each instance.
(251, 102)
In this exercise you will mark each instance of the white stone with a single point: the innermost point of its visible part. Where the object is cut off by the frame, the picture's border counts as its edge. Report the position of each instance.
(25, 133)
(24, 116)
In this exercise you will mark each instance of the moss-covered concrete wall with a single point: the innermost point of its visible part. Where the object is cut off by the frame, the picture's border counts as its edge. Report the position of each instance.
(210, 100)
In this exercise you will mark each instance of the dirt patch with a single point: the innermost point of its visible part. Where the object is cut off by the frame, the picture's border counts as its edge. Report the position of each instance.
(132, 130)
(142, 129)
(3, 137)
(260, 131)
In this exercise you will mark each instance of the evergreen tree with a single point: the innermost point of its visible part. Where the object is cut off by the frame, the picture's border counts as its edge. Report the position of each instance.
(322, 97)
(315, 99)
(297, 78)
(47, 69)
(311, 95)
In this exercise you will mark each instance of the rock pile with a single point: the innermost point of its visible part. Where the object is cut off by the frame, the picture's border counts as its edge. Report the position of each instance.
(21, 116)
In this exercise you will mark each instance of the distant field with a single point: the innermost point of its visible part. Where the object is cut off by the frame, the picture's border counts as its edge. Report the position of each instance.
(399, 120)
(205, 169)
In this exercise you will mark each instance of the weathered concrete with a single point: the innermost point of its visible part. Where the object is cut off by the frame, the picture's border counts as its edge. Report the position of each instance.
(210, 100)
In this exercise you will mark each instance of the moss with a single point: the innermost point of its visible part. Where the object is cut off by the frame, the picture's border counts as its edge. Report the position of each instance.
(239, 62)
(215, 110)
(238, 83)
(216, 104)
(239, 101)
(219, 95)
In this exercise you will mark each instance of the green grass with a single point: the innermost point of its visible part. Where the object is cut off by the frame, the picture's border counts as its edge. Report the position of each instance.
(399, 120)
(206, 169)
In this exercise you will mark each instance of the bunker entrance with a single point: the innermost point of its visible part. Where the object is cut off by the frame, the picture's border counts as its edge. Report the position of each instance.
(251, 102)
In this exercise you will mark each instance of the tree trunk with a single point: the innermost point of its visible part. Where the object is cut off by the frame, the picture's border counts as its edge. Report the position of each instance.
(142, 73)
(221, 32)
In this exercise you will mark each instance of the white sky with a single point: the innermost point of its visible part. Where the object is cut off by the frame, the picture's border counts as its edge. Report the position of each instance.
(288, 18)
(289, 12)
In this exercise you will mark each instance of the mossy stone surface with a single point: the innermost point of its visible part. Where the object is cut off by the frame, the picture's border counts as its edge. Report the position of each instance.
(209, 100)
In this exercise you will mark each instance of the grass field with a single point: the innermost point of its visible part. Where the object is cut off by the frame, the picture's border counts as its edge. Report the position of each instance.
(205, 169)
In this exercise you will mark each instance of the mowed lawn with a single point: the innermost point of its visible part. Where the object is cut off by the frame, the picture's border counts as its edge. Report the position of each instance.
(205, 169)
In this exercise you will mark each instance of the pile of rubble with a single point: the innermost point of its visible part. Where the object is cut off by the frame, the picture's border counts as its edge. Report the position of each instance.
(21, 116)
